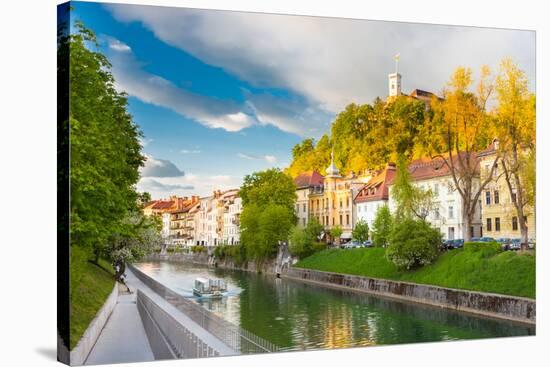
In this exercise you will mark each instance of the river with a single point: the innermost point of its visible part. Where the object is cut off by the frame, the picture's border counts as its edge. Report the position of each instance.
(299, 316)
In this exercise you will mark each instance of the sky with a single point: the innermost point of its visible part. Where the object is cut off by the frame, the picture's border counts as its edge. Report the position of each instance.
(220, 94)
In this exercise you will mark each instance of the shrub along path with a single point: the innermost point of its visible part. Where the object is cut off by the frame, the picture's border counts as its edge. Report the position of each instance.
(484, 270)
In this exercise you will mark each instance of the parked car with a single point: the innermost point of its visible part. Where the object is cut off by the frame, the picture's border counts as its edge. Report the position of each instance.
(368, 243)
(504, 243)
(531, 243)
(447, 244)
(353, 244)
(458, 243)
(515, 244)
(487, 239)
(475, 239)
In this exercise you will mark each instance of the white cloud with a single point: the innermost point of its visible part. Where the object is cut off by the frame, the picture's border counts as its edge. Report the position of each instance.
(190, 151)
(268, 158)
(117, 45)
(190, 184)
(149, 184)
(155, 167)
(329, 61)
(150, 88)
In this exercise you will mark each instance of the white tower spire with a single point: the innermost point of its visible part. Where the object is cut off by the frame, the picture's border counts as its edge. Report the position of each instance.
(394, 79)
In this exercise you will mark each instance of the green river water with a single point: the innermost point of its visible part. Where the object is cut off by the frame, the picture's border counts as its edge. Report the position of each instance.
(298, 316)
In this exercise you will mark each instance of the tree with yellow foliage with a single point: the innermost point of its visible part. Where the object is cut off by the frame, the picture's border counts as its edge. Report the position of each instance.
(516, 132)
(458, 129)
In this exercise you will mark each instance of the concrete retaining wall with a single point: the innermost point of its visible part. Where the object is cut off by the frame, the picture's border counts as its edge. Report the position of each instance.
(267, 267)
(493, 305)
(84, 346)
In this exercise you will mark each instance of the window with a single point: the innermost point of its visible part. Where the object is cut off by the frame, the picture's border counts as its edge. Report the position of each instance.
(341, 203)
(497, 224)
(340, 219)
(332, 220)
(514, 223)
(436, 214)
(304, 207)
(449, 187)
(451, 212)
(347, 219)
(489, 225)
(496, 196)
(436, 189)
(513, 197)
(488, 197)
(303, 221)
(347, 203)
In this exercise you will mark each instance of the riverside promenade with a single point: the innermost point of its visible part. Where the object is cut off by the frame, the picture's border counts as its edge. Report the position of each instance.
(123, 339)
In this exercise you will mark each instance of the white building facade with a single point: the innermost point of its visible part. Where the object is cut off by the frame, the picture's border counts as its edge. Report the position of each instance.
(446, 215)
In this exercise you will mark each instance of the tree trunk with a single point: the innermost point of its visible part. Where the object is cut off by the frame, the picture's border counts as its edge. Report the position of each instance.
(466, 220)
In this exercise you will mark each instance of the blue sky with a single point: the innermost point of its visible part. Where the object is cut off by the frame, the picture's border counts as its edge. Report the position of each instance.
(221, 94)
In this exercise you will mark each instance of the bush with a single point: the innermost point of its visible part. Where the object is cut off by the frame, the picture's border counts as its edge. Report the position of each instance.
(198, 249)
(382, 226)
(303, 242)
(236, 252)
(361, 231)
(413, 243)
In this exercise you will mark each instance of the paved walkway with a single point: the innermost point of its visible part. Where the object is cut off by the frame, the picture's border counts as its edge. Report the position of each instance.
(123, 338)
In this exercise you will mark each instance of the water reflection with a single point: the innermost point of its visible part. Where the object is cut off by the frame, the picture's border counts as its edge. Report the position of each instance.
(298, 316)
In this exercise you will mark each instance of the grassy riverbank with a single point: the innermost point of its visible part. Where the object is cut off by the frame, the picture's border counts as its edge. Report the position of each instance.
(508, 272)
(91, 285)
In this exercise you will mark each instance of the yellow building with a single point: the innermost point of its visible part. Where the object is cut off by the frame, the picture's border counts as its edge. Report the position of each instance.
(331, 203)
(499, 215)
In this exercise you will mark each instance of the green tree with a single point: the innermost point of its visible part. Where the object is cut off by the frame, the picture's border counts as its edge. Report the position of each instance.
(364, 137)
(361, 231)
(305, 241)
(382, 226)
(413, 243)
(411, 200)
(105, 150)
(314, 229)
(268, 212)
(140, 237)
(335, 233)
(300, 242)
(271, 186)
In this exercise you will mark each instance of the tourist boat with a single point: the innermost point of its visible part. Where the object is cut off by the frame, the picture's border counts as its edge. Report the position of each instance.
(211, 288)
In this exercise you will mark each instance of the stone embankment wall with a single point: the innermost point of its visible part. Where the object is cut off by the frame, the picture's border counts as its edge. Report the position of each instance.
(268, 267)
(487, 304)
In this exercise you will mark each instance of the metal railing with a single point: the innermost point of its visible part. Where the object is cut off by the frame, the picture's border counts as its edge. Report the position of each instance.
(233, 336)
(183, 342)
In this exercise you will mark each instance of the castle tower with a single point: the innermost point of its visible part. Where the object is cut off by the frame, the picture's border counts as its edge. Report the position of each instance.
(394, 80)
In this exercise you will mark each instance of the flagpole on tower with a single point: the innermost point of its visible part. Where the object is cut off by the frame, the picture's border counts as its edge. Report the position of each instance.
(396, 57)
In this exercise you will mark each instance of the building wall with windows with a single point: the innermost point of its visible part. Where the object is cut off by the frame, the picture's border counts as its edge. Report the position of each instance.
(332, 202)
(306, 183)
(447, 212)
(372, 196)
(499, 215)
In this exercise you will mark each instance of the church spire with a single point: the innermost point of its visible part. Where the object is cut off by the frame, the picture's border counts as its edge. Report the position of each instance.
(331, 170)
